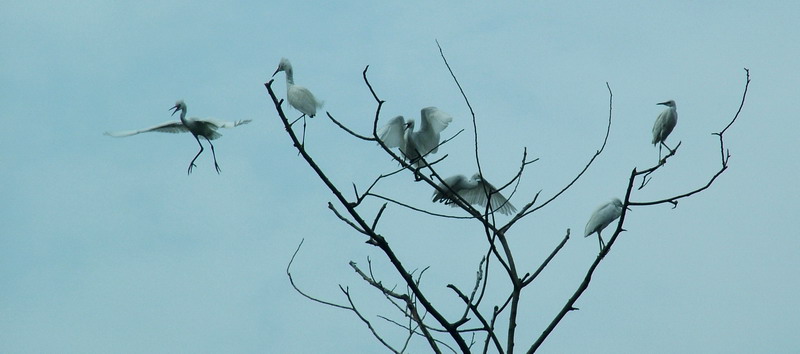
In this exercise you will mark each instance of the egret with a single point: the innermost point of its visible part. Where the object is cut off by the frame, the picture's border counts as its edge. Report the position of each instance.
(474, 191)
(601, 217)
(416, 144)
(205, 127)
(298, 96)
(664, 124)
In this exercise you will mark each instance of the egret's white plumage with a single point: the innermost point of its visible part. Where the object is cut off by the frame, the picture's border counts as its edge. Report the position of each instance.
(474, 191)
(298, 96)
(415, 144)
(393, 134)
(205, 127)
(603, 216)
(665, 122)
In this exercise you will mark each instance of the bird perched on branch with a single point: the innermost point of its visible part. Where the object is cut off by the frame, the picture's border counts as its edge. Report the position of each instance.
(205, 127)
(474, 190)
(298, 96)
(416, 144)
(664, 124)
(601, 217)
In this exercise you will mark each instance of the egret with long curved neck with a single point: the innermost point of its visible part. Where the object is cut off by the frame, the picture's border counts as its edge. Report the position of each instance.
(298, 96)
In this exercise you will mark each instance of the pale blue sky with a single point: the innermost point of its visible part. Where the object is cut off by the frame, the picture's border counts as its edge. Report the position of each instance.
(107, 246)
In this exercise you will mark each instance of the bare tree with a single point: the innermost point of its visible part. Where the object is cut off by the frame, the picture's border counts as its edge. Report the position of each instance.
(421, 318)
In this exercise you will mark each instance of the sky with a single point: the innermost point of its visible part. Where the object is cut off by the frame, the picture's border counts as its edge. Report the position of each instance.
(106, 245)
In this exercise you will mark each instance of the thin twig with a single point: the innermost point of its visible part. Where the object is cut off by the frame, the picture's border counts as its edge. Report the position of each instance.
(585, 168)
(474, 309)
(291, 281)
(346, 292)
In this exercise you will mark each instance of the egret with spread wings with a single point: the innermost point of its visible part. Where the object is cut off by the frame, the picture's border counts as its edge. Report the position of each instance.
(205, 127)
(416, 144)
(474, 190)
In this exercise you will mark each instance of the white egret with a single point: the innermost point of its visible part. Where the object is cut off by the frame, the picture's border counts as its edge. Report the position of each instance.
(601, 217)
(205, 127)
(664, 124)
(474, 191)
(415, 144)
(298, 96)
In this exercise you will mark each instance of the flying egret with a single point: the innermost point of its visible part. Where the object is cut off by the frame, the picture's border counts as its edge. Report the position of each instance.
(474, 191)
(415, 144)
(664, 124)
(298, 96)
(205, 127)
(601, 217)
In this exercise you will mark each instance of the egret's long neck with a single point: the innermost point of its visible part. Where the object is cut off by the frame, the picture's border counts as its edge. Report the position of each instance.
(183, 115)
(289, 76)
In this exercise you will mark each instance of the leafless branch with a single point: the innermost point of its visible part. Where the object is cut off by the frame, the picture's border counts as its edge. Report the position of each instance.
(348, 222)
(488, 328)
(525, 212)
(346, 292)
(362, 137)
(415, 331)
(528, 279)
(291, 281)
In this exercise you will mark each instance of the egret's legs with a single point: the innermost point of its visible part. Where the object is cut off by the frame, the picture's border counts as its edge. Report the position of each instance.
(213, 154)
(303, 142)
(191, 164)
(602, 244)
(659, 150)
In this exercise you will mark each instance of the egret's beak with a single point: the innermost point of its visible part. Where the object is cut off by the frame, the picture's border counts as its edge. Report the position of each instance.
(663, 103)
(276, 71)
(174, 109)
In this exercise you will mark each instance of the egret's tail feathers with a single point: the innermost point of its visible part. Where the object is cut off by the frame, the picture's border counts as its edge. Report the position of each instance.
(121, 134)
(214, 135)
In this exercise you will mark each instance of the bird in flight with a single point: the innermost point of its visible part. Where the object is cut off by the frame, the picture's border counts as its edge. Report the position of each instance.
(205, 127)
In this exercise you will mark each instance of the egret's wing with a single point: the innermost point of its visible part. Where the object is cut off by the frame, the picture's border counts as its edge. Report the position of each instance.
(477, 195)
(303, 100)
(455, 183)
(500, 203)
(224, 124)
(166, 127)
(601, 217)
(664, 124)
(434, 120)
(393, 133)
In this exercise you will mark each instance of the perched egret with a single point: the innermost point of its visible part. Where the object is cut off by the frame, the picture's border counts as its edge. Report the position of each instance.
(205, 127)
(603, 216)
(298, 96)
(415, 144)
(664, 124)
(474, 191)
